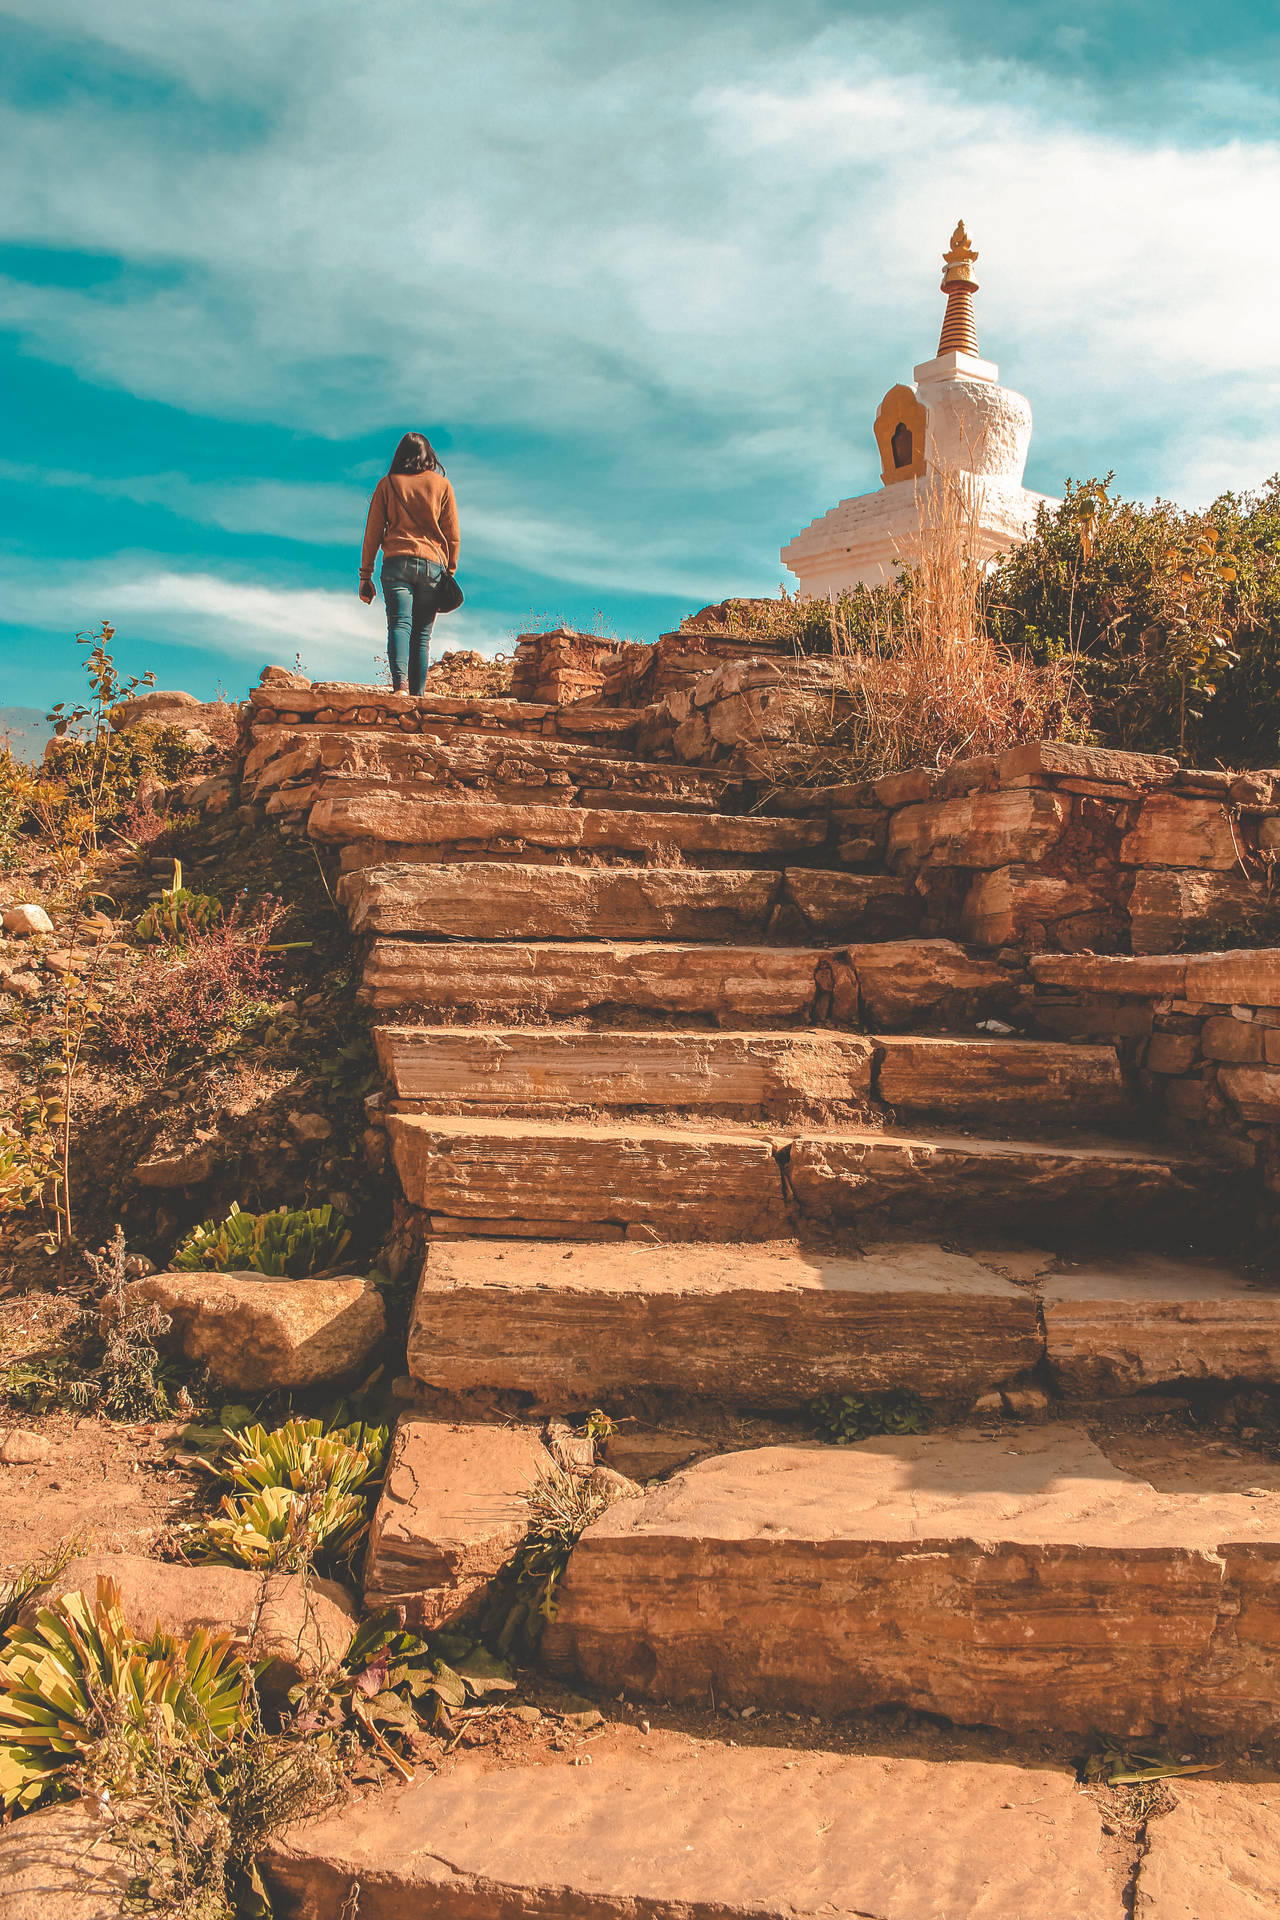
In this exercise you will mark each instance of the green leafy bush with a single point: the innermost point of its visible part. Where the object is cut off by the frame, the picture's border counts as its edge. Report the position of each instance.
(288, 1245)
(178, 913)
(299, 1491)
(77, 1689)
(1170, 620)
(845, 1417)
(392, 1682)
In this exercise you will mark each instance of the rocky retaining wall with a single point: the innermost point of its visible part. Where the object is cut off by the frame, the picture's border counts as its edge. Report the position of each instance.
(1049, 845)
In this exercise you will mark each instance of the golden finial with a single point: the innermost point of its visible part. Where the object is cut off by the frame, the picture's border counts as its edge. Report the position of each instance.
(959, 331)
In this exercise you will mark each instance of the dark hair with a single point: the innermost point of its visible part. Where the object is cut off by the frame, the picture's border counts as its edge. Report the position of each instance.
(415, 454)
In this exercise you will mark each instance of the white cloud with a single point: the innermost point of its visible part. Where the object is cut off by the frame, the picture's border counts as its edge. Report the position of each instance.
(337, 636)
(694, 244)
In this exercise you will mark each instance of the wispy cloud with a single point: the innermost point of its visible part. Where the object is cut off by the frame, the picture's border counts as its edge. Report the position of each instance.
(336, 635)
(650, 268)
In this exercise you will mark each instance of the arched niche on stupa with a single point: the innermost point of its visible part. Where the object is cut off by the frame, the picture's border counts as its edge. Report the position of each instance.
(900, 425)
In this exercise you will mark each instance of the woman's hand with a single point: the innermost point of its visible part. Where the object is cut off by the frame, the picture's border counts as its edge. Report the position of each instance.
(367, 591)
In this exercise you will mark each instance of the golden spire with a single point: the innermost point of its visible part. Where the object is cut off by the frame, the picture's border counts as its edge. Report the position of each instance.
(959, 332)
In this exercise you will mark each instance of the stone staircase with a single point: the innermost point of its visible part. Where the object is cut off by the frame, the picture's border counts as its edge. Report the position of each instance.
(686, 1111)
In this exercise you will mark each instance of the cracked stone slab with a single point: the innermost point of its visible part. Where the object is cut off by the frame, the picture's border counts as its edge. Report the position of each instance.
(1214, 1856)
(699, 1829)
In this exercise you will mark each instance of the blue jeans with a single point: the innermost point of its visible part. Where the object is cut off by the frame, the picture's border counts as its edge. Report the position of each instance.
(411, 589)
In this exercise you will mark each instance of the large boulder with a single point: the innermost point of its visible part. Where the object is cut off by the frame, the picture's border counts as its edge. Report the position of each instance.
(299, 1624)
(254, 1333)
(60, 1864)
(162, 708)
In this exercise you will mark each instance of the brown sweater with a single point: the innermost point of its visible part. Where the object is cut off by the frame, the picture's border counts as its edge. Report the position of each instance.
(411, 513)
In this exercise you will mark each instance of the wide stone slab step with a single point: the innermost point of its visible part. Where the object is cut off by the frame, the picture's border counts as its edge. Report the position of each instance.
(558, 978)
(773, 1327)
(1022, 1582)
(487, 1068)
(491, 1069)
(436, 825)
(886, 986)
(672, 1827)
(686, 1183)
(482, 900)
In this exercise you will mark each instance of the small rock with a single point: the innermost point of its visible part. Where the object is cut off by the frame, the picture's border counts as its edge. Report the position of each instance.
(177, 1170)
(27, 986)
(615, 1485)
(20, 1448)
(1026, 1401)
(988, 1403)
(309, 1128)
(23, 921)
(282, 677)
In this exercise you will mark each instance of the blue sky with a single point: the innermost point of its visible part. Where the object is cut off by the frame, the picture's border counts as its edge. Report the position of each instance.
(641, 269)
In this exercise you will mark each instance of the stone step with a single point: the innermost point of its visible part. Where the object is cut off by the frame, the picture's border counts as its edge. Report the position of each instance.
(506, 1176)
(572, 1179)
(1119, 1326)
(494, 1069)
(338, 704)
(887, 985)
(771, 1327)
(452, 760)
(492, 901)
(563, 978)
(667, 1825)
(775, 1326)
(488, 1068)
(1022, 1079)
(1022, 1582)
(436, 828)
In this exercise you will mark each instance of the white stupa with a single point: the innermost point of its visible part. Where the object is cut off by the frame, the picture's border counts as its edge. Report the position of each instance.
(956, 420)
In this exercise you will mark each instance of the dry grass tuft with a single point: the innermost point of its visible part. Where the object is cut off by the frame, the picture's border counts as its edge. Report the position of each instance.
(920, 682)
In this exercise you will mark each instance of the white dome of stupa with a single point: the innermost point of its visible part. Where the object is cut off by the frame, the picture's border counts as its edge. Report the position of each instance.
(954, 425)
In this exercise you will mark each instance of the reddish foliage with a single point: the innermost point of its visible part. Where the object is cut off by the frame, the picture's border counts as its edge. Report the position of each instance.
(172, 1004)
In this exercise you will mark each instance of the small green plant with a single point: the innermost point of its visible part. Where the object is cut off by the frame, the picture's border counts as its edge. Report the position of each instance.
(78, 1690)
(29, 1579)
(1110, 1763)
(561, 1506)
(392, 1684)
(298, 1491)
(37, 1386)
(288, 1245)
(596, 1425)
(131, 1374)
(846, 1417)
(177, 914)
(30, 1153)
(353, 1070)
